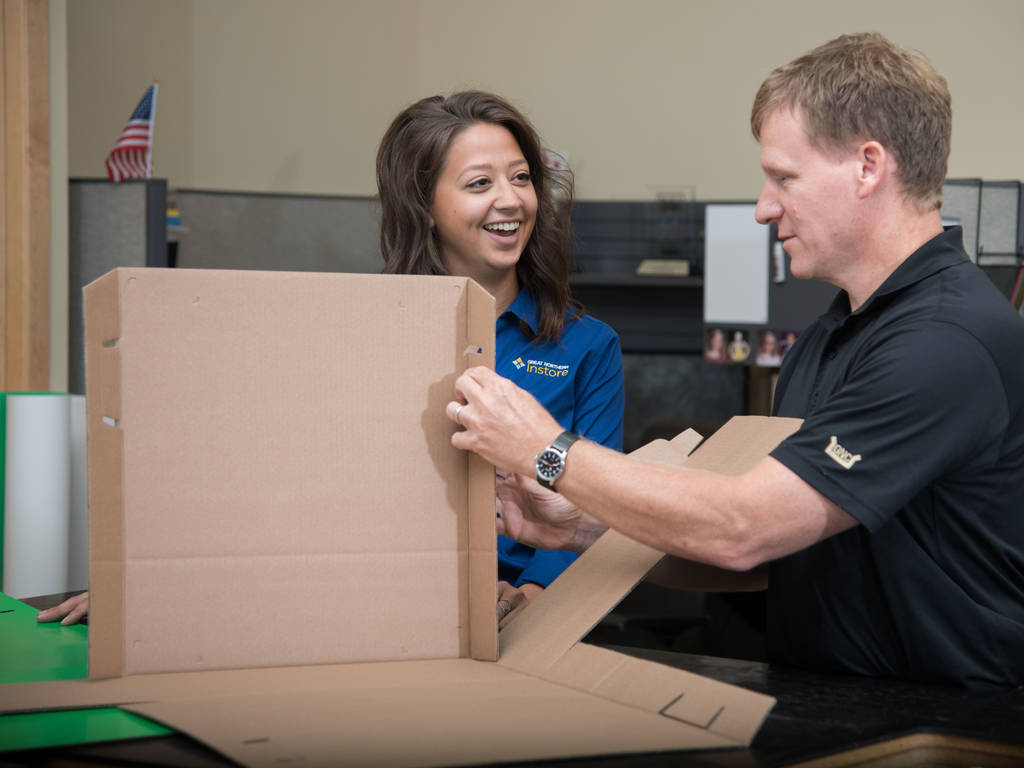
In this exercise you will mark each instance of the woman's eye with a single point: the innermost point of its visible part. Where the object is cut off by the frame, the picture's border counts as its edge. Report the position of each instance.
(480, 183)
(523, 177)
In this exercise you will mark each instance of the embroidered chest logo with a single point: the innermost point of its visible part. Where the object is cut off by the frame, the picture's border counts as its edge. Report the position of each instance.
(542, 368)
(840, 455)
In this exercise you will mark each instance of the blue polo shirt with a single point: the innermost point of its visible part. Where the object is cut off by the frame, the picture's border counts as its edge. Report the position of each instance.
(913, 408)
(578, 379)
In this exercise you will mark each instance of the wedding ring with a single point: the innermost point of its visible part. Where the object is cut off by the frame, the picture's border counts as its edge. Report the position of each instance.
(457, 409)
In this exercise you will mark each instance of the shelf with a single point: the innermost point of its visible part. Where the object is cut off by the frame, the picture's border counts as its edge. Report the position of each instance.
(629, 280)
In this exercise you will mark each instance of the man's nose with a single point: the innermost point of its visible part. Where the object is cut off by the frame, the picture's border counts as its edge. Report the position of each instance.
(768, 208)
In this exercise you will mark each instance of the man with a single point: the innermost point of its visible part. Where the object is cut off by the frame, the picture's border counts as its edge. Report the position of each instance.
(889, 528)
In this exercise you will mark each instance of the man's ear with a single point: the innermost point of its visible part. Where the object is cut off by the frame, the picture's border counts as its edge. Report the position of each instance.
(873, 164)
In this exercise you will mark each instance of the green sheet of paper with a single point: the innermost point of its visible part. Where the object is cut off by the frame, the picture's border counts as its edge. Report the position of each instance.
(31, 652)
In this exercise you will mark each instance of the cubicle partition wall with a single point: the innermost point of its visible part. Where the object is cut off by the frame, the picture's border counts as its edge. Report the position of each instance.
(306, 233)
(109, 225)
(657, 316)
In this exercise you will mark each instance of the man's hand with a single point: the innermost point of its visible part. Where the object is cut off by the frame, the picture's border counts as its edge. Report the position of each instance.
(533, 515)
(71, 611)
(500, 422)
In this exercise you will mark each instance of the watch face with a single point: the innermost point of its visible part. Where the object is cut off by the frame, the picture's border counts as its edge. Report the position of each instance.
(549, 464)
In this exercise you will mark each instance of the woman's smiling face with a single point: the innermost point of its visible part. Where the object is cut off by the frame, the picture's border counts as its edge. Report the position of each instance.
(484, 207)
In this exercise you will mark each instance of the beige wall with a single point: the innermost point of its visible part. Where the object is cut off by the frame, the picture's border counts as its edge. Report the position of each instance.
(642, 95)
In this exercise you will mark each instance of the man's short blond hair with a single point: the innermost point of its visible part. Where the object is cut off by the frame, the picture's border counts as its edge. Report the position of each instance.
(863, 87)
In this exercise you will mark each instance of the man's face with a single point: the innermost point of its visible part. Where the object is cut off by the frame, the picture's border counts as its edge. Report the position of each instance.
(811, 196)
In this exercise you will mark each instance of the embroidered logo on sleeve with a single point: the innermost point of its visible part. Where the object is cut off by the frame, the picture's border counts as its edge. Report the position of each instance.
(840, 455)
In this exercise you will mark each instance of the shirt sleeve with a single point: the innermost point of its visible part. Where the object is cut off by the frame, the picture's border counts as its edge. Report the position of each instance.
(600, 395)
(544, 567)
(909, 413)
(600, 402)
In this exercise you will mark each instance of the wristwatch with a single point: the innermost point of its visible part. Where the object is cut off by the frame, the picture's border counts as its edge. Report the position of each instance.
(551, 461)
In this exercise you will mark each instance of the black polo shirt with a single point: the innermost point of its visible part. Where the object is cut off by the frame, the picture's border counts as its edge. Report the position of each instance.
(913, 409)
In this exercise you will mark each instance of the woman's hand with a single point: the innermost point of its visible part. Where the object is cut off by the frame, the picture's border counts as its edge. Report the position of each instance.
(510, 602)
(71, 611)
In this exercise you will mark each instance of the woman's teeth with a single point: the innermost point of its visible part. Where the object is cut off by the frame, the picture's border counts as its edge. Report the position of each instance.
(505, 226)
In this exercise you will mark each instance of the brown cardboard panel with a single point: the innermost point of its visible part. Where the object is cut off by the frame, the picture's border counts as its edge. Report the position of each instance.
(740, 443)
(481, 598)
(75, 694)
(445, 722)
(542, 640)
(720, 708)
(594, 584)
(285, 466)
(437, 712)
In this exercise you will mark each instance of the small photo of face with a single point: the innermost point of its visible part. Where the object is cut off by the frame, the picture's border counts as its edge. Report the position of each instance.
(714, 346)
(738, 348)
(768, 352)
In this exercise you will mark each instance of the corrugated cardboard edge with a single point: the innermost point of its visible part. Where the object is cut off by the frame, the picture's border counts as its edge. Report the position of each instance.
(105, 437)
(543, 639)
(482, 537)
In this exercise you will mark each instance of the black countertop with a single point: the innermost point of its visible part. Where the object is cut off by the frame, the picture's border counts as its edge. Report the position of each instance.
(816, 715)
(819, 714)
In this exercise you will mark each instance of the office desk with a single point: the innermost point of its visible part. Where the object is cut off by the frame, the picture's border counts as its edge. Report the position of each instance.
(817, 715)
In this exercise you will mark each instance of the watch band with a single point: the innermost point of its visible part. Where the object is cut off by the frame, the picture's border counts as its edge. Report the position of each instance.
(564, 440)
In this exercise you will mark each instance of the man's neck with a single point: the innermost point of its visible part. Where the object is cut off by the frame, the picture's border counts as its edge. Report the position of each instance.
(887, 246)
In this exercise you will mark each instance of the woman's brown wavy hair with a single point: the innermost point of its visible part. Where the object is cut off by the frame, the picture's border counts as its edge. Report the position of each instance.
(410, 159)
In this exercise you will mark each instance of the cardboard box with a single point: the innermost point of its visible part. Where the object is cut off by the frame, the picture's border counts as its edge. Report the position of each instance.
(271, 479)
(251, 435)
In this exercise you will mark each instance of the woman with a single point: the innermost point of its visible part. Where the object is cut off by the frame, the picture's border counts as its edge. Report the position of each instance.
(464, 190)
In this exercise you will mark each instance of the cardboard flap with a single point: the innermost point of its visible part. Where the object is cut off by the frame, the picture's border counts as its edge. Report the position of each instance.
(482, 536)
(455, 717)
(411, 713)
(671, 452)
(543, 640)
(727, 710)
(106, 486)
(593, 585)
(741, 443)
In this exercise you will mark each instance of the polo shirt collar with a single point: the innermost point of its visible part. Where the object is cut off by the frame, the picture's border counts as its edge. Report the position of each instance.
(524, 309)
(942, 251)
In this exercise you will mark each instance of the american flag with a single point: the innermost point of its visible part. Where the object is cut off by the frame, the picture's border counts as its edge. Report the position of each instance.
(131, 157)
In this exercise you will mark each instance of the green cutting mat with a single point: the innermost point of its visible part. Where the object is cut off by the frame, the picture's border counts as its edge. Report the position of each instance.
(32, 652)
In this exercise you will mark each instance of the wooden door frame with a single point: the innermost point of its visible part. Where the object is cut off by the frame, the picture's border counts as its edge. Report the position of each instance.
(25, 196)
